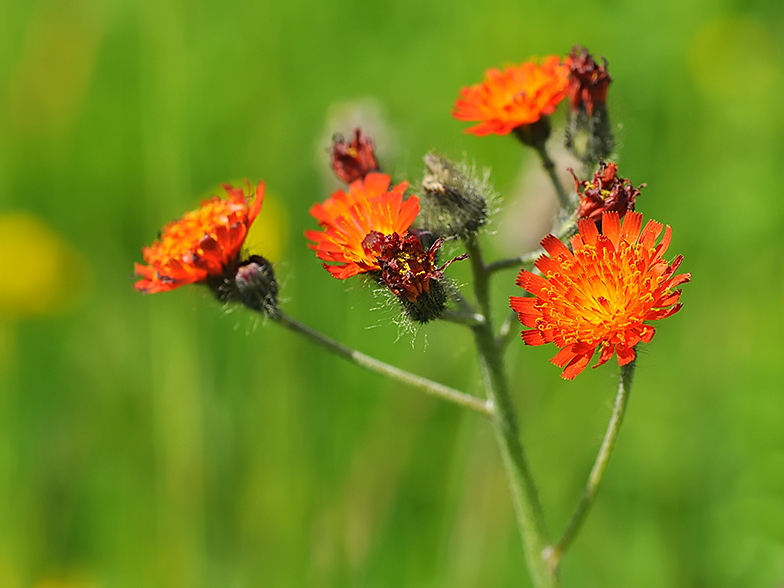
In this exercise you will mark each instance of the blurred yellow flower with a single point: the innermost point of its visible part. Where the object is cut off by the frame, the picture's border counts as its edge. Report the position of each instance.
(269, 234)
(40, 273)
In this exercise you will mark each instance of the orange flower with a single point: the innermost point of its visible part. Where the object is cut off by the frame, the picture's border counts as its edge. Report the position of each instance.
(202, 245)
(520, 95)
(601, 295)
(348, 217)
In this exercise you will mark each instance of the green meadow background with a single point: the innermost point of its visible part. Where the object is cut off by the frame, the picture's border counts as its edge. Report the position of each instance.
(161, 441)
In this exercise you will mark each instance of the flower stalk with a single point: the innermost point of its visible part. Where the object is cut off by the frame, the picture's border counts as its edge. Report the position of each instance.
(555, 553)
(549, 167)
(528, 509)
(561, 231)
(484, 407)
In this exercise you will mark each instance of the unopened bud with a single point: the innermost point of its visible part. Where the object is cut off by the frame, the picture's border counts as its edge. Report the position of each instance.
(455, 202)
(256, 286)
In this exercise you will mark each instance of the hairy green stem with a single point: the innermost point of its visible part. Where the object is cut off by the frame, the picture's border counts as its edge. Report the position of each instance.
(484, 407)
(462, 318)
(516, 262)
(527, 507)
(508, 330)
(549, 167)
(555, 553)
(563, 229)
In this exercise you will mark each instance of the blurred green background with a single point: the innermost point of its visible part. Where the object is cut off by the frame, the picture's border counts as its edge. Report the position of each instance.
(161, 441)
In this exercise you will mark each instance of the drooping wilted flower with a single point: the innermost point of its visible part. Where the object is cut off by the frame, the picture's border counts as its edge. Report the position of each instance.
(589, 135)
(588, 81)
(606, 193)
(411, 272)
(353, 161)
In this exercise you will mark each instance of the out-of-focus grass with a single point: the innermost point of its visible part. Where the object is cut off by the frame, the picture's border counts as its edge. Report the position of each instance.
(158, 441)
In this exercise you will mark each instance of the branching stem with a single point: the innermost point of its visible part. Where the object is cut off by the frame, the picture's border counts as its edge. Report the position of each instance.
(525, 499)
(484, 407)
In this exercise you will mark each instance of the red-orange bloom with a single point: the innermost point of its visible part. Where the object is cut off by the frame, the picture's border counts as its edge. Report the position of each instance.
(348, 217)
(601, 295)
(203, 244)
(519, 95)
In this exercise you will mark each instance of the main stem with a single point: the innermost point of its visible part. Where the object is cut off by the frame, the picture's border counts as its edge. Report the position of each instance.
(484, 407)
(527, 507)
(555, 554)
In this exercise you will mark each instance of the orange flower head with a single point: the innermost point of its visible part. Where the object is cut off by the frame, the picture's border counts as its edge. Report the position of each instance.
(519, 95)
(202, 245)
(600, 296)
(353, 161)
(348, 217)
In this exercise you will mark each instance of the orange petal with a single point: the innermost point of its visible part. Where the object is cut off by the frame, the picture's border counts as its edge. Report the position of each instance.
(611, 227)
(533, 338)
(555, 248)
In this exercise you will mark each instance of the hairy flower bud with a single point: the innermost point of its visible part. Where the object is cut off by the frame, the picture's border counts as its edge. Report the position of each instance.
(455, 203)
(251, 283)
(353, 161)
(411, 273)
(256, 285)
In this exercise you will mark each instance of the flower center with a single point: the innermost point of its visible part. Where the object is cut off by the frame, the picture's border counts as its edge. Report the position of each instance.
(600, 296)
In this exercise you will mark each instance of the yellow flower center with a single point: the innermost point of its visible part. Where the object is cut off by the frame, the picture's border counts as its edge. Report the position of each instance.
(600, 296)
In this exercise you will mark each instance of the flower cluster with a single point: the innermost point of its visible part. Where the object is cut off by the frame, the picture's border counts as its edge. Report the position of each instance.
(599, 292)
(600, 295)
(596, 295)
